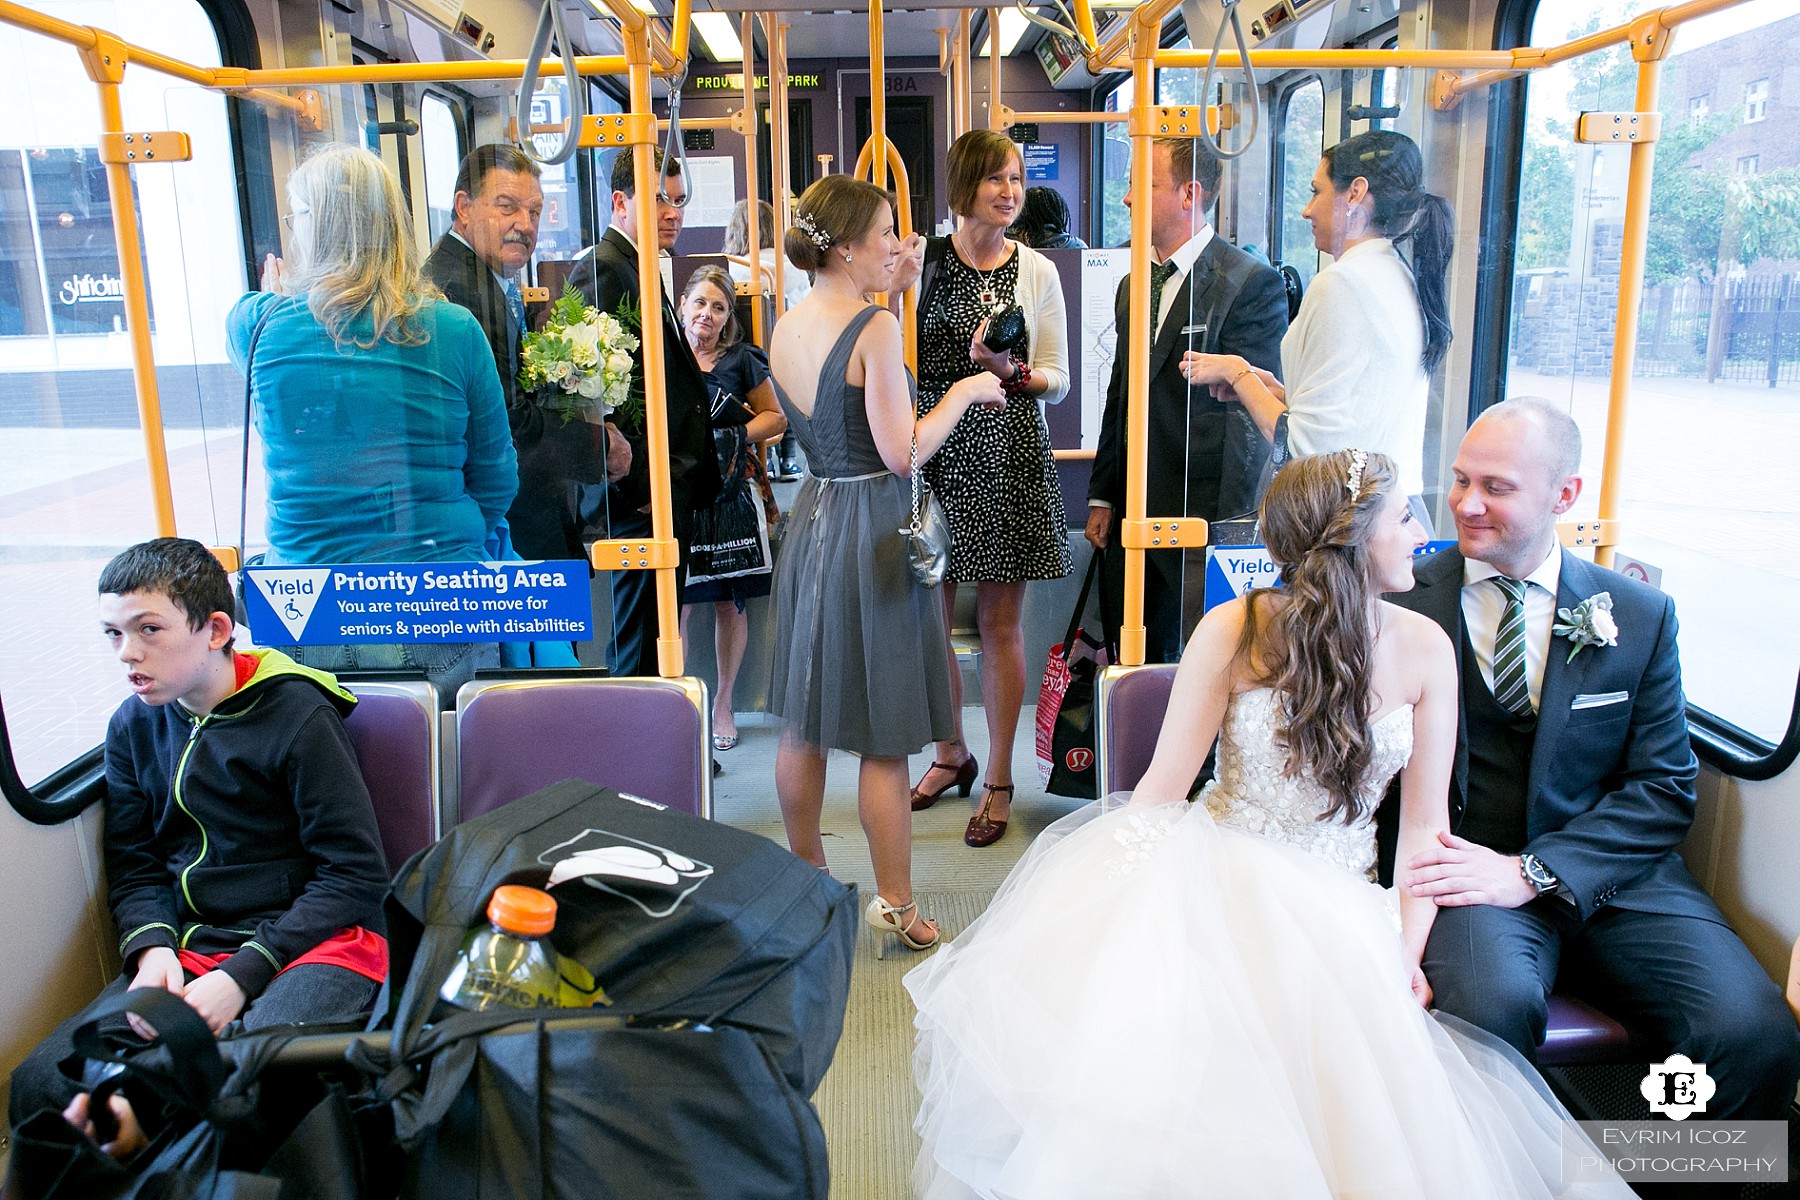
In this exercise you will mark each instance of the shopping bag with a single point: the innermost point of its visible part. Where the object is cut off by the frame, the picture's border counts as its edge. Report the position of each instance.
(1065, 706)
(731, 537)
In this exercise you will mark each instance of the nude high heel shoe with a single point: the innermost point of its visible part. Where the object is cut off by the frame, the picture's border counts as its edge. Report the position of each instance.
(900, 920)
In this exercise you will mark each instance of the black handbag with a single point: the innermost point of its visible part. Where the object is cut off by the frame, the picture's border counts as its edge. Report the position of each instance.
(1006, 331)
(1066, 724)
(213, 1132)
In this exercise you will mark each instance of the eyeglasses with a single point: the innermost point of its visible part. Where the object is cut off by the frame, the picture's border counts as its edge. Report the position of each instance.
(288, 219)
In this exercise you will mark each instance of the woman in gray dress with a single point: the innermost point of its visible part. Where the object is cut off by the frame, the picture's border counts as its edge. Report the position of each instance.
(861, 661)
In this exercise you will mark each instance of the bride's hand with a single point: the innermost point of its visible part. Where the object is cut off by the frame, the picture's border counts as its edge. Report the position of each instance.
(1421, 987)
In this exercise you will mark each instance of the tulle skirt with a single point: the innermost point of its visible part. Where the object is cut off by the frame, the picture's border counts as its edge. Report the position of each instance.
(1156, 1006)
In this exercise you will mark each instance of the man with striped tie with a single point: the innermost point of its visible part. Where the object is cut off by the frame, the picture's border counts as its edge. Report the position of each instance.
(1573, 788)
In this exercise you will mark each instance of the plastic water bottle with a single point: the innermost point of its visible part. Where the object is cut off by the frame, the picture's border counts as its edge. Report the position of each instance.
(508, 964)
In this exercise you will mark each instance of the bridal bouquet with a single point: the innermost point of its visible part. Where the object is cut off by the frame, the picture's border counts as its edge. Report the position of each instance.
(579, 364)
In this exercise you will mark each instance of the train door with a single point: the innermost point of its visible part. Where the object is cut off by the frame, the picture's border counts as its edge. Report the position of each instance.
(913, 131)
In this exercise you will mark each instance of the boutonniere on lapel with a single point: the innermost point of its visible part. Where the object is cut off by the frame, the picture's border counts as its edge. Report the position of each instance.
(1589, 623)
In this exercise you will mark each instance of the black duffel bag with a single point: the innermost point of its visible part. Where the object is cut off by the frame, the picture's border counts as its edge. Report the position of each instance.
(727, 960)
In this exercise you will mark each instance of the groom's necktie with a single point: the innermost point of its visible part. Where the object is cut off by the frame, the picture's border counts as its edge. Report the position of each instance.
(1160, 274)
(515, 304)
(1511, 688)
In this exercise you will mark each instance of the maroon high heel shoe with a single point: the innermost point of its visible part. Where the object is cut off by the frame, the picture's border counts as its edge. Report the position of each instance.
(964, 781)
(983, 830)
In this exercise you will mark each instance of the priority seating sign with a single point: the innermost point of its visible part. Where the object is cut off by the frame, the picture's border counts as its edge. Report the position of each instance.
(1231, 571)
(419, 602)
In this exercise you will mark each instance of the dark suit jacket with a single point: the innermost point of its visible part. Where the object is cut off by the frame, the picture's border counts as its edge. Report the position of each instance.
(1611, 790)
(1205, 457)
(606, 277)
(553, 453)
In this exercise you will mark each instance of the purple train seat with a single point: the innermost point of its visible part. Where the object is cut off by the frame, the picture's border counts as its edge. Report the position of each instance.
(1132, 701)
(645, 736)
(394, 729)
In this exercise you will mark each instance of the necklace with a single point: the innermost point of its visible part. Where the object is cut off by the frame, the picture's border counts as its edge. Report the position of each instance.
(989, 294)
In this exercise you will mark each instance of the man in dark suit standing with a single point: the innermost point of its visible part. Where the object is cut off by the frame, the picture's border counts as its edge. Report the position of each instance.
(477, 265)
(1573, 786)
(608, 276)
(1205, 458)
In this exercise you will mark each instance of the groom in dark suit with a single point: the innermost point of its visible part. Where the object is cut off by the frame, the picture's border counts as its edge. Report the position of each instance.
(477, 264)
(608, 276)
(1573, 787)
(1205, 457)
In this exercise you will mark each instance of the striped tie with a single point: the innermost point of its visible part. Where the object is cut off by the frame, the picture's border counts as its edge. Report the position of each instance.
(1511, 688)
(1160, 274)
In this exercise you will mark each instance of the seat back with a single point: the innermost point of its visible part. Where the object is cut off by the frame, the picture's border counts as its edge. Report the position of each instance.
(1131, 702)
(644, 736)
(394, 729)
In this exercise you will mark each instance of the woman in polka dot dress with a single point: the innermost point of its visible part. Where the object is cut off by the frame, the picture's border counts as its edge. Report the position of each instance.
(994, 476)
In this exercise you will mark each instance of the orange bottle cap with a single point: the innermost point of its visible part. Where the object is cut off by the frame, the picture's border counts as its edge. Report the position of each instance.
(525, 910)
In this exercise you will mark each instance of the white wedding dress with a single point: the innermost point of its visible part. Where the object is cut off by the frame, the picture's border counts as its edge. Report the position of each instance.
(1211, 1000)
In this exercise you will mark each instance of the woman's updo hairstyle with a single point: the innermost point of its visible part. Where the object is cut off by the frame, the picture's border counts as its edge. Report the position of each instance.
(832, 212)
(1404, 212)
(1315, 645)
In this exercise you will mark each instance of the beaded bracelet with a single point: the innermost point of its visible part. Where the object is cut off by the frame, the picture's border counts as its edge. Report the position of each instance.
(1020, 377)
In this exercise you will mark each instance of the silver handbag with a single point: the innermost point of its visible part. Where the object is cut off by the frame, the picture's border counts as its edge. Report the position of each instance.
(928, 537)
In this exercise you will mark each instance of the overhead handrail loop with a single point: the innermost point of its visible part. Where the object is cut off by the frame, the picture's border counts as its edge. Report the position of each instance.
(676, 145)
(550, 20)
(1230, 14)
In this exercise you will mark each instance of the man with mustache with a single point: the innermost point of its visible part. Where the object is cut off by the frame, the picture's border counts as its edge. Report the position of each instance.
(477, 264)
(608, 277)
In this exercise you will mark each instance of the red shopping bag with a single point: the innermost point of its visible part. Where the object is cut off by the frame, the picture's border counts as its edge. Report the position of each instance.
(1065, 706)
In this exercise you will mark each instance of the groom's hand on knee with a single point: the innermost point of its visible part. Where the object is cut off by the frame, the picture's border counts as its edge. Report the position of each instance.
(1458, 872)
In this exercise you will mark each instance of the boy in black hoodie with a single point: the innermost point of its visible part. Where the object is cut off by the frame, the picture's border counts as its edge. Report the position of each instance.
(243, 862)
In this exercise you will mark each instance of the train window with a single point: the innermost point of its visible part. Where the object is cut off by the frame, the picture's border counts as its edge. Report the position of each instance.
(1717, 379)
(1115, 170)
(1299, 143)
(441, 132)
(75, 490)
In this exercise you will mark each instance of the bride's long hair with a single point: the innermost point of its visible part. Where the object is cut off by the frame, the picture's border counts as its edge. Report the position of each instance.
(1312, 641)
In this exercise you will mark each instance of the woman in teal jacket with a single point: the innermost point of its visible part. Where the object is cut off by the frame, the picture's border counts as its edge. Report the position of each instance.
(381, 415)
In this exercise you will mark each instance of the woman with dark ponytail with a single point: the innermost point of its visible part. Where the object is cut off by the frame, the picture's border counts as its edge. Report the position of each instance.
(1183, 999)
(1355, 364)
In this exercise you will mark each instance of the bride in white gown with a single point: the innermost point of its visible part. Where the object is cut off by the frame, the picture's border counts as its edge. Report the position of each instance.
(1170, 1000)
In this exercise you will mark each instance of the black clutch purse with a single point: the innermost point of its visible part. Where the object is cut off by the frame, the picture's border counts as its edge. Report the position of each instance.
(1006, 331)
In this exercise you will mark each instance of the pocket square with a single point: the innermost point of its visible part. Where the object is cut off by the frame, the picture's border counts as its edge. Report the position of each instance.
(1598, 700)
(1188, 330)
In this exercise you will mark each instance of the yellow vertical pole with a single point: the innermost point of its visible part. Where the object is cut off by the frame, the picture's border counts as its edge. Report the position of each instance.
(878, 163)
(994, 69)
(105, 62)
(1650, 41)
(1137, 377)
(647, 181)
(965, 82)
(753, 223)
(775, 31)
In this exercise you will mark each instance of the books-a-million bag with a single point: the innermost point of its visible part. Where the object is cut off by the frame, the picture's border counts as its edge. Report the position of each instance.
(1065, 706)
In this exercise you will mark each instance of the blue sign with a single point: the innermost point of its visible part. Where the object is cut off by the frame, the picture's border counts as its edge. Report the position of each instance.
(1040, 161)
(1233, 570)
(420, 602)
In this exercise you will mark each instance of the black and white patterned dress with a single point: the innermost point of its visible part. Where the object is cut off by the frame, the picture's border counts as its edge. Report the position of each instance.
(994, 476)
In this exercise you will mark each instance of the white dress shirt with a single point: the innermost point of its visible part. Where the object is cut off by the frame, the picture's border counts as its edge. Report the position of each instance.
(1183, 258)
(1484, 604)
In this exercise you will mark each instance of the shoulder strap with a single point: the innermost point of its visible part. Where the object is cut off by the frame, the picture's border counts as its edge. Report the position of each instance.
(930, 276)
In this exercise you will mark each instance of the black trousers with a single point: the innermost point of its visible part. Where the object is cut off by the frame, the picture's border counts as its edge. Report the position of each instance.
(1686, 983)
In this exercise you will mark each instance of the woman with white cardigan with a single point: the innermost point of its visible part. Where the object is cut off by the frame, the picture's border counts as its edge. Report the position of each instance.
(995, 475)
(1374, 324)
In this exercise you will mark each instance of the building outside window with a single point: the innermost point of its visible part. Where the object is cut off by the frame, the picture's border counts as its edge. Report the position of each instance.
(1756, 100)
(1699, 108)
(1747, 165)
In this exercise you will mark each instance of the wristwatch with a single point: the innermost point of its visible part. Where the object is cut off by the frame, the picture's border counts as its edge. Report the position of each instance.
(1538, 875)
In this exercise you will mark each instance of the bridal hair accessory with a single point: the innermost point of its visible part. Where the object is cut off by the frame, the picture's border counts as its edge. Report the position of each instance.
(804, 224)
(1353, 481)
(1589, 623)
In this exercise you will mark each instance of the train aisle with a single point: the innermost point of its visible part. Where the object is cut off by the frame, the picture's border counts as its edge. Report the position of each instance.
(867, 1100)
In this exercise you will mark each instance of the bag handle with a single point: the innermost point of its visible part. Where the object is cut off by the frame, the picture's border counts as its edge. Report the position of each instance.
(918, 522)
(198, 1071)
(1106, 624)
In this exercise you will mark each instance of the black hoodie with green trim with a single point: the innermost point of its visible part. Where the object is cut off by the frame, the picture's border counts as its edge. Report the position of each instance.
(246, 832)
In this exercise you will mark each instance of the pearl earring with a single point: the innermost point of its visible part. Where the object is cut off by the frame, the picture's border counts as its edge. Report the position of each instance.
(846, 256)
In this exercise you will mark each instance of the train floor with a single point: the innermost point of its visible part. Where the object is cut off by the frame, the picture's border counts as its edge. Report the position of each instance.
(867, 1101)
